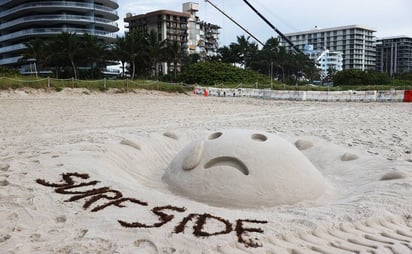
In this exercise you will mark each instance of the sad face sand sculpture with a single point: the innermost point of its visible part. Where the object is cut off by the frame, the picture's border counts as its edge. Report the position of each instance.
(244, 168)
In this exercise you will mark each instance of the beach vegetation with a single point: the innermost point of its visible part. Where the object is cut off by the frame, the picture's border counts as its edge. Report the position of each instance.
(211, 73)
(71, 60)
(357, 78)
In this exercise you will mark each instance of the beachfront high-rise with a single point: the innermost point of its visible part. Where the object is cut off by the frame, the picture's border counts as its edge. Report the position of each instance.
(23, 20)
(193, 35)
(394, 54)
(356, 42)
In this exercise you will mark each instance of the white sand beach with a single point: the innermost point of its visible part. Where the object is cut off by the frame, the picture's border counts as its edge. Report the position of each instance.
(84, 172)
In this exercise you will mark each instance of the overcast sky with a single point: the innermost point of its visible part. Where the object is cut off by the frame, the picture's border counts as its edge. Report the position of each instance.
(388, 18)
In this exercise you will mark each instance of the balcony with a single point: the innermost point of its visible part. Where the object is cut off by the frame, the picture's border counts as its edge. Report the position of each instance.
(106, 23)
(12, 48)
(54, 31)
(10, 60)
(56, 5)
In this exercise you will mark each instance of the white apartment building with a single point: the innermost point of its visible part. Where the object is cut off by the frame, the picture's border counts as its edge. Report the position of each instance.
(357, 44)
(23, 20)
(325, 60)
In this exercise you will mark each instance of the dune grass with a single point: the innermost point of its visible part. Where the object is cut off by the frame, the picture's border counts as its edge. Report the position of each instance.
(125, 85)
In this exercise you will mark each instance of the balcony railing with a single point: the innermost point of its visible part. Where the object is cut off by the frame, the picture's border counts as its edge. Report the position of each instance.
(59, 18)
(58, 4)
(12, 48)
(53, 31)
(10, 60)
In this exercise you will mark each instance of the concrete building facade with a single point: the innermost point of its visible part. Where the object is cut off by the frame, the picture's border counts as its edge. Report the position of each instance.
(203, 37)
(194, 35)
(23, 20)
(394, 55)
(357, 44)
(169, 25)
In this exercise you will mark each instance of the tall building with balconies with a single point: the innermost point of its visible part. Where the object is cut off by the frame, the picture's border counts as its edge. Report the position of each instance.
(23, 20)
(357, 43)
(394, 54)
(195, 36)
(169, 25)
(203, 37)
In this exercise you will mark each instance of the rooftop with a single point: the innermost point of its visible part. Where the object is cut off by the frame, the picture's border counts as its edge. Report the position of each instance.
(317, 30)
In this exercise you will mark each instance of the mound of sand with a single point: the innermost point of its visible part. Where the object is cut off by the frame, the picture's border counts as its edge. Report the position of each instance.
(244, 168)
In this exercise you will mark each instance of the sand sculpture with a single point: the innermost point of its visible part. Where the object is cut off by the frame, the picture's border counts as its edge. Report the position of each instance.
(244, 168)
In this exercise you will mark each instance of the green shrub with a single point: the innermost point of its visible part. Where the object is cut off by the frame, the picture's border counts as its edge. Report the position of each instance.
(211, 73)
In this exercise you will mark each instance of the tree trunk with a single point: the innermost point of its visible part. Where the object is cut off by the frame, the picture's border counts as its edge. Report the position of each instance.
(134, 70)
(74, 68)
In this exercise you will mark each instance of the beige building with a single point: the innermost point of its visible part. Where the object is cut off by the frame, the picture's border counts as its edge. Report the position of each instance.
(194, 35)
(169, 25)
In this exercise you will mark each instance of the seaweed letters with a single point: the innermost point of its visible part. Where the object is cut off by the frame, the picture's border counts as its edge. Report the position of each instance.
(76, 184)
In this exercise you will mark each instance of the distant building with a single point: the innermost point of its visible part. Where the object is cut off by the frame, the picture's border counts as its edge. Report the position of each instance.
(169, 25)
(325, 60)
(193, 35)
(203, 37)
(23, 20)
(355, 42)
(394, 54)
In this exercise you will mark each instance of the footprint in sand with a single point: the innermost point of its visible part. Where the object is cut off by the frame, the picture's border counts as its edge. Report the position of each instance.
(146, 246)
(3, 182)
(61, 219)
(4, 166)
(4, 238)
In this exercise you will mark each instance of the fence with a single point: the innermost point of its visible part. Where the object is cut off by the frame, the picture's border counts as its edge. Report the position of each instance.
(102, 84)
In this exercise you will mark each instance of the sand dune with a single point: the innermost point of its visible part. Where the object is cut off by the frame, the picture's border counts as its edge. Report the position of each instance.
(82, 173)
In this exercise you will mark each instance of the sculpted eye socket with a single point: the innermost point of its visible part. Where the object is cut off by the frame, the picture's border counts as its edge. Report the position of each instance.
(215, 135)
(259, 137)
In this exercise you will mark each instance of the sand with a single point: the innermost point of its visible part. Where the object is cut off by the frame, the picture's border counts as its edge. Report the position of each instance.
(81, 172)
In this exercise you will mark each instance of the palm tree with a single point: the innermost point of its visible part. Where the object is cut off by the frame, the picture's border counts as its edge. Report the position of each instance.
(267, 58)
(134, 45)
(120, 52)
(94, 52)
(174, 55)
(245, 50)
(154, 50)
(69, 48)
(36, 50)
